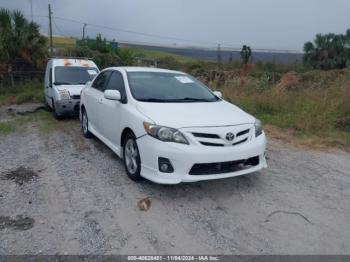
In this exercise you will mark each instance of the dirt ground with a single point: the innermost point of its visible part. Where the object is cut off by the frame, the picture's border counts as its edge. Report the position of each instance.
(63, 194)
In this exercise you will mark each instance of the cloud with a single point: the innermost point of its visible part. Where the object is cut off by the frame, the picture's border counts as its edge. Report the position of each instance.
(279, 24)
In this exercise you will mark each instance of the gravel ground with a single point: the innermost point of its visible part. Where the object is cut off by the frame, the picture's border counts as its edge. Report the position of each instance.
(63, 194)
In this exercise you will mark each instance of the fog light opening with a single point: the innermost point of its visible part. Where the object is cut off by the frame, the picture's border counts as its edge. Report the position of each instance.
(164, 165)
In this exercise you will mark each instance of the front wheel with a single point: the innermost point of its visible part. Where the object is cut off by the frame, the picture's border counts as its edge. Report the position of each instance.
(46, 105)
(131, 157)
(54, 111)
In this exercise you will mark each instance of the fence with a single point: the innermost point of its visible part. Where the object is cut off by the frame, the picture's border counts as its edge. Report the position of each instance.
(18, 71)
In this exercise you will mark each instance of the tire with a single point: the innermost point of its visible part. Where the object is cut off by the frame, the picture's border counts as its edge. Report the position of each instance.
(131, 157)
(47, 106)
(85, 125)
(54, 112)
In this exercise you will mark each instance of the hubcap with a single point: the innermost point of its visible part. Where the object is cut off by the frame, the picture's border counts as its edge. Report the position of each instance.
(85, 123)
(131, 156)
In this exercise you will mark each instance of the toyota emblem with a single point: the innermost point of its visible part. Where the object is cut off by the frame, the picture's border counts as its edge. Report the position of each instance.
(230, 136)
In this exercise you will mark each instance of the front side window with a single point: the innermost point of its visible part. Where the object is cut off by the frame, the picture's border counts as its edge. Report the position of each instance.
(116, 82)
(168, 87)
(100, 81)
(69, 75)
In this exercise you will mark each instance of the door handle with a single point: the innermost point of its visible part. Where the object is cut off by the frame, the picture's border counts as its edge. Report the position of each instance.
(100, 101)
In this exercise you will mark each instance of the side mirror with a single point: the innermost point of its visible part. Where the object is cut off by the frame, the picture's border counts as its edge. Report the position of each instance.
(218, 94)
(112, 95)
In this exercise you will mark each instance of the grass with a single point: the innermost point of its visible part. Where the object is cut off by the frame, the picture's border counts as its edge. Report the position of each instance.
(42, 120)
(160, 55)
(7, 128)
(63, 42)
(22, 92)
(317, 111)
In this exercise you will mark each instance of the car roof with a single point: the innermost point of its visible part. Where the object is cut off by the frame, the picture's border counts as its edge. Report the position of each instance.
(72, 62)
(144, 69)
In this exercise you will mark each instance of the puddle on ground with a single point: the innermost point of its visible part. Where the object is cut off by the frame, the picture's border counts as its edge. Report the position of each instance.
(20, 175)
(18, 223)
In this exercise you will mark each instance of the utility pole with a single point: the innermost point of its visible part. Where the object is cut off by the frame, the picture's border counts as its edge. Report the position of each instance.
(31, 9)
(50, 31)
(84, 31)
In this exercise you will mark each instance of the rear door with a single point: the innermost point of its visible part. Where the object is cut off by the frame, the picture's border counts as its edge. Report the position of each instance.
(111, 111)
(94, 96)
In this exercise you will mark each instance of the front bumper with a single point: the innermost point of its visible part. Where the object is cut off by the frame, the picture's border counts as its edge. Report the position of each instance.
(67, 107)
(184, 157)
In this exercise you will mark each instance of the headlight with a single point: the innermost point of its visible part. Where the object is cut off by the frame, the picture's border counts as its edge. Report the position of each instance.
(64, 94)
(258, 128)
(165, 134)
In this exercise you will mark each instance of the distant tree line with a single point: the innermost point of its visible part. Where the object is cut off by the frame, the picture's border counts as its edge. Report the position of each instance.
(103, 53)
(328, 51)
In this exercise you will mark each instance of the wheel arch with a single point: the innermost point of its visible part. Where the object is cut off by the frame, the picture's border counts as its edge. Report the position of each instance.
(126, 131)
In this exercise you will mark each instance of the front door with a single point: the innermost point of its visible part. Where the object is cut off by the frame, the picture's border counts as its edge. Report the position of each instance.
(94, 96)
(111, 111)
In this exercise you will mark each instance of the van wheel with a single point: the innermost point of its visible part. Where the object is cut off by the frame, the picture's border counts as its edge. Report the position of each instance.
(131, 157)
(46, 105)
(85, 125)
(54, 112)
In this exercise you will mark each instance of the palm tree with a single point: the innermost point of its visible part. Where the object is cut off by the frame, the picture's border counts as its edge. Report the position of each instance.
(20, 39)
(246, 54)
(328, 51)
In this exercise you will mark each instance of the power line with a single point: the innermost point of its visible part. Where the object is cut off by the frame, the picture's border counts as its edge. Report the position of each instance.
(134, 32)
(212, 44)
(58, 29)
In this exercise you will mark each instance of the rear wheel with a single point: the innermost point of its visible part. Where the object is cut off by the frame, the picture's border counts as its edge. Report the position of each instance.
(85, 124)
(131, 157)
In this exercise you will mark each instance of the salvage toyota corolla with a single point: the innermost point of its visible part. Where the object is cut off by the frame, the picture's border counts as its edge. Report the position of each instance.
(169, 128)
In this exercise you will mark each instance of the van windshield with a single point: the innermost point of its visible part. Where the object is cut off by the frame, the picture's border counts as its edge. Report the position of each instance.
(65, 75)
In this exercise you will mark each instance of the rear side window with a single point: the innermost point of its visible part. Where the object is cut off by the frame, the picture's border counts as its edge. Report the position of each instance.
(116, 82)
(101, 80)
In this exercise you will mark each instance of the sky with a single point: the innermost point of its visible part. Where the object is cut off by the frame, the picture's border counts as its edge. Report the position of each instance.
(262, 24)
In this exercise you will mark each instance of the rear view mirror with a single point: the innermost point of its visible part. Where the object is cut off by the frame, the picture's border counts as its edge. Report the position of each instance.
(112, 95)
(218, 94)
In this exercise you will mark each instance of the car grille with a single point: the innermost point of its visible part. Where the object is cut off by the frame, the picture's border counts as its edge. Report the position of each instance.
(205, 135)
(216, 140)
(223, 167)
(75, 97)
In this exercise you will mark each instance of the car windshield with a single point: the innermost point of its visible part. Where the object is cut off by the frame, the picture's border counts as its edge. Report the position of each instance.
(168, 87)
(69, 75)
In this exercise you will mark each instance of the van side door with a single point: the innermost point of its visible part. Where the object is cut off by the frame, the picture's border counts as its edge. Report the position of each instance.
(48, 83)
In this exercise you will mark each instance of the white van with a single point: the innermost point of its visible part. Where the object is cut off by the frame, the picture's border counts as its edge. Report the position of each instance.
(64, 80)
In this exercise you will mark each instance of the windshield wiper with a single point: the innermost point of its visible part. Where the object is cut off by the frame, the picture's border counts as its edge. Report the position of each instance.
(153, 100)
(190, 99)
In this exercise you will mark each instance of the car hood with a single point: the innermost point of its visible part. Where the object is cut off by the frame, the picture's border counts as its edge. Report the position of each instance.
(73, 89)
(180, 115)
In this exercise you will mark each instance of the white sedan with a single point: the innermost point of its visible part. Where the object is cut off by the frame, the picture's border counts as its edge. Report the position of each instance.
(170, 128)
